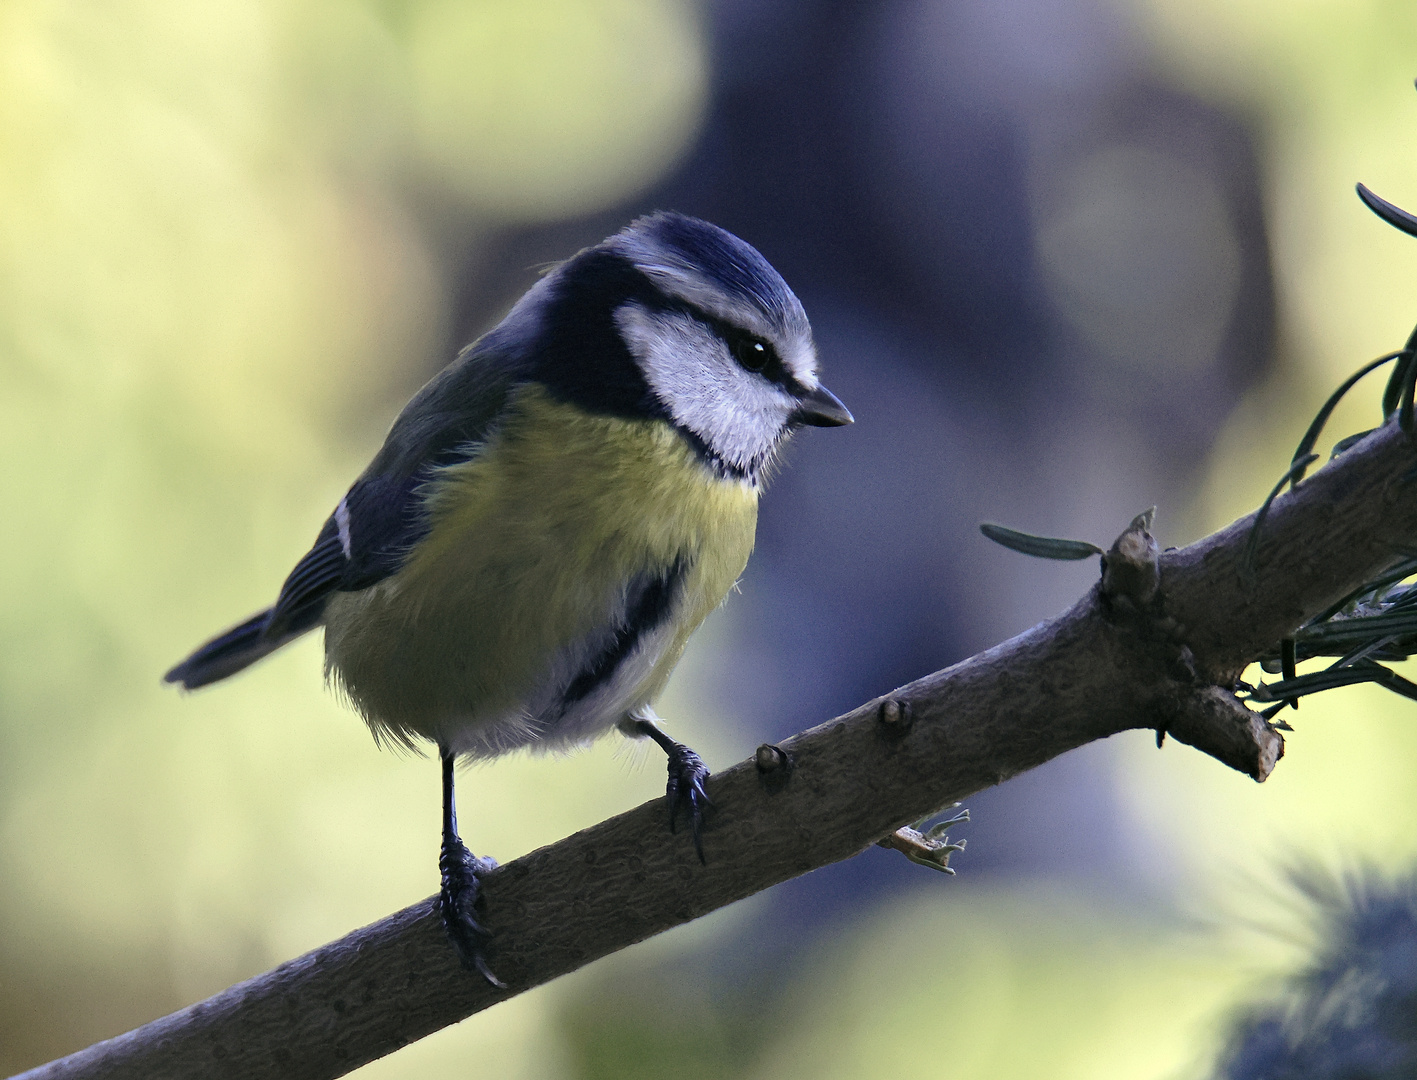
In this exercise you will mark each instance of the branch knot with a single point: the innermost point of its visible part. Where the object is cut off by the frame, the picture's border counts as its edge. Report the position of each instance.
(1131, 570)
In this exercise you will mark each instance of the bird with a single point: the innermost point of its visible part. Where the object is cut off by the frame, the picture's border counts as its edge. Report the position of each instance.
(551, 517)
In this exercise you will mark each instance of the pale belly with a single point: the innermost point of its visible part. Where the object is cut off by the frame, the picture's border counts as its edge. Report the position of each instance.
(567, 565)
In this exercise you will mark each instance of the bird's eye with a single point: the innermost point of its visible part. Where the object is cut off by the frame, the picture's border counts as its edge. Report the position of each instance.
(752, 353)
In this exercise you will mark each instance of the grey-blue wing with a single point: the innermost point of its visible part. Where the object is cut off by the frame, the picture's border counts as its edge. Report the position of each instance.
(380, 519)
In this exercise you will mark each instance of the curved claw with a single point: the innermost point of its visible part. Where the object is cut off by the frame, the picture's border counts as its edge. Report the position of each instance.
(457, 903)
(687, 773)
(1395, 216)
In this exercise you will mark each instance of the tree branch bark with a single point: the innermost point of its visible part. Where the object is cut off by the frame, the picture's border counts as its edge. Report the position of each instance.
(1157, 643)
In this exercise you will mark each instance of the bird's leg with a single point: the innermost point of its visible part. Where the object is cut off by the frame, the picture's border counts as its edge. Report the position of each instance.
(687, 773)
(458, 899)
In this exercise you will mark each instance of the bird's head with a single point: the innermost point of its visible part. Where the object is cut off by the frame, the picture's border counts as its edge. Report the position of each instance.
(677, 319)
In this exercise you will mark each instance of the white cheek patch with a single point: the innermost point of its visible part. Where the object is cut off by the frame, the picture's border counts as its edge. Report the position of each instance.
(685, 284)
(741, 416)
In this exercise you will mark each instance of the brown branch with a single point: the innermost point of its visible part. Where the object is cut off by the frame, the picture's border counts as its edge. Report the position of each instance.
(1157, 643)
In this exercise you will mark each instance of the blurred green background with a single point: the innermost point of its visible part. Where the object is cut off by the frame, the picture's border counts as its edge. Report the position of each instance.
(234, 237)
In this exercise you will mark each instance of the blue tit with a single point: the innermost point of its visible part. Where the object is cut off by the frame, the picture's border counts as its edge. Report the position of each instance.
(553, 515)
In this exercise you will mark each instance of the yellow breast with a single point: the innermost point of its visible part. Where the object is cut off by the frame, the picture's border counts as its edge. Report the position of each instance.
(533, 544)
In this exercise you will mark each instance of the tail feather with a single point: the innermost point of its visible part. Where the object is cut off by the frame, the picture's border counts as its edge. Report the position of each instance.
(228, 653)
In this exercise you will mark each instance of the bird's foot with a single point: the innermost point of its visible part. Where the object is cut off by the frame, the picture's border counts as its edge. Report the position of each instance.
(687, 773)
(458, 901)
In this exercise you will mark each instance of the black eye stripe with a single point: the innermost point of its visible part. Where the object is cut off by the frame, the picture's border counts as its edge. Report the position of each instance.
(752, 353)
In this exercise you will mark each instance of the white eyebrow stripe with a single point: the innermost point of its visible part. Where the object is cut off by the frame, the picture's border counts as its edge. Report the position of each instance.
(342, 525)
(703, 294)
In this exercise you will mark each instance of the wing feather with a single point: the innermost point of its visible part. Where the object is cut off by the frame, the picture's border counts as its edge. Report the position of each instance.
(381, 518)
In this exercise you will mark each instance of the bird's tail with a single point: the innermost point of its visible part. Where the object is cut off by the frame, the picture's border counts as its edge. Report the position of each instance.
(239, 647)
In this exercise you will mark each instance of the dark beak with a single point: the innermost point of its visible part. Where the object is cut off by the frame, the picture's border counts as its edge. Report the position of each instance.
(821, 408)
